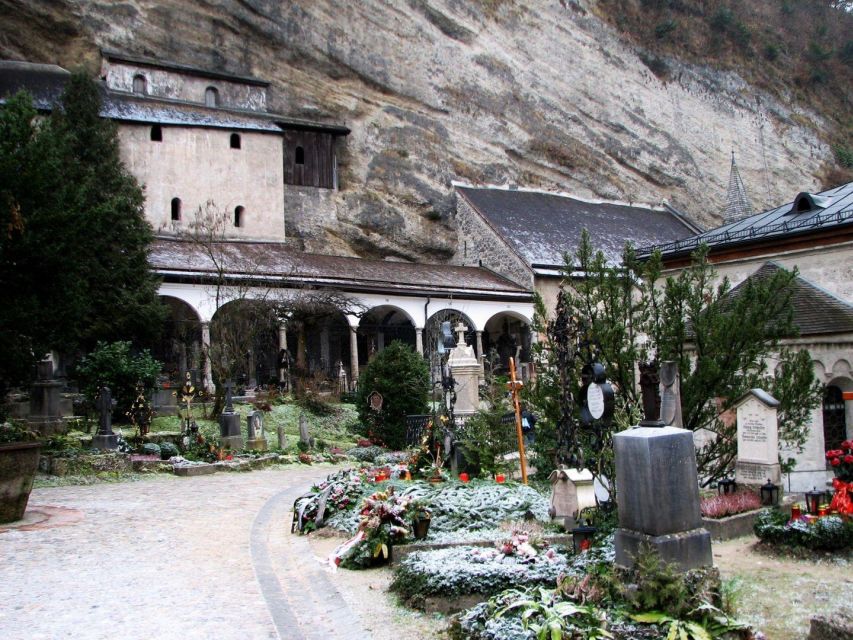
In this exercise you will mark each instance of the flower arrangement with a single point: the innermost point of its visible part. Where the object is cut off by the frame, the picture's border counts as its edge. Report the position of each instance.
(523, 545)
(841, 461)
(729, 504)
(16, 432)
(382, 523)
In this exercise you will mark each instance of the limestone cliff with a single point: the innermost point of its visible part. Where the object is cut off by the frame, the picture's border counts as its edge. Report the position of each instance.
(536, 93)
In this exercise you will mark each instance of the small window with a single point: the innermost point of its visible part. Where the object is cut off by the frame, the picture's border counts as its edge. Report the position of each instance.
(139, 84)
(211, 97)
(176, 208)
(300, 155)
(238, 216)
(235, 140)
(156, 133)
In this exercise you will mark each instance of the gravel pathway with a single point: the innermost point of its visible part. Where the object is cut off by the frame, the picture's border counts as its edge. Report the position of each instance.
(204, 557)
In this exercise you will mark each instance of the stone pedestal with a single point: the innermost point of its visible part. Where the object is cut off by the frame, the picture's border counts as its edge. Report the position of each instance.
(658, 495)
(757, 439)
(467, 371)
(45, 415)
(257, 444)
(105, 441)
(229, 431)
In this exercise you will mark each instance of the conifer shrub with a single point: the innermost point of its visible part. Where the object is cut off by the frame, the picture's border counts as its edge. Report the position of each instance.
(401, 376)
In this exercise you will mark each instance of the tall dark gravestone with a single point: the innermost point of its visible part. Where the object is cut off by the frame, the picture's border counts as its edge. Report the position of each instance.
(105, 439)
(229, 423)
(658, 488)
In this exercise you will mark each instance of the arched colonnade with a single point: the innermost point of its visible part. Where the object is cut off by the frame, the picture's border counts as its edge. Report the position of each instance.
(332, 344)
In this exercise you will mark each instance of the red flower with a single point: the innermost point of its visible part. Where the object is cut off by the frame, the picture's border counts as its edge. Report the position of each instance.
(847, 444)
(835, 462)
(586, 544)
(848, 459)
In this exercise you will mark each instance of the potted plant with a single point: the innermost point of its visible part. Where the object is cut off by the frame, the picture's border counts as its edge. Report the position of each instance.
(19, 459)
(421, 518)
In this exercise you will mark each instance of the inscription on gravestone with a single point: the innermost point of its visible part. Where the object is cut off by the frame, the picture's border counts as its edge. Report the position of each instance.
(757, 438)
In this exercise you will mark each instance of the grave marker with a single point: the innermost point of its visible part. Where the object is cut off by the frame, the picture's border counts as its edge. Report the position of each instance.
(229, 422)
(757, 439)
(105, 439)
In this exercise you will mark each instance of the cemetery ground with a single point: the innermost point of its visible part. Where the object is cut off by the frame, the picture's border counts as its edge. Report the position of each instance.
(213, 556)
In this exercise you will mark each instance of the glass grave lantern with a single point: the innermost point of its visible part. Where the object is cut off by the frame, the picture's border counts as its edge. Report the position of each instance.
(769, 494)
(582, 538)
(814, 498)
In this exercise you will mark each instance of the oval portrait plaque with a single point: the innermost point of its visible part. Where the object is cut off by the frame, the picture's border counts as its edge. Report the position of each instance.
(595, 401)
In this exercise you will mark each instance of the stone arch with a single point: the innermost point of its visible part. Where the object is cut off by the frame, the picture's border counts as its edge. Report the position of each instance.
(179, 347)
(244, 342)
(380, 326)
(841, 369)
(318, 343)
(837, 413)
(507, 334)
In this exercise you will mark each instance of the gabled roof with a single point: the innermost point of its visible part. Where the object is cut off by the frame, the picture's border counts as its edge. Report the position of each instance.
(827, 211)
(542, 226)
(816, 311)
(275, 263)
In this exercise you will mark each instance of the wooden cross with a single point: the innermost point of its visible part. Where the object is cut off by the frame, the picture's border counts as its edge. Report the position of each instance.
(515, 387)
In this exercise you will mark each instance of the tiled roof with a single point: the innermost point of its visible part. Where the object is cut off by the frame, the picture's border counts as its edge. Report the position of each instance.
(276, 262)
(815, 311)
(834, 210)
(541, 227)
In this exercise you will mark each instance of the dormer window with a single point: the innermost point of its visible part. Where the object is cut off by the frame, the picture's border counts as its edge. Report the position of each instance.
(211, 97)
(805, 202)
(140, 85)
(235, 140)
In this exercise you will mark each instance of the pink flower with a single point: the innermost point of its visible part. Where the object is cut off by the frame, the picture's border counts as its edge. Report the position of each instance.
(848, 459)
(835, 462)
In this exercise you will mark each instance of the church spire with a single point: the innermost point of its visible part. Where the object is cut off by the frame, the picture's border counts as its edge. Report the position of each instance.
(737, 203)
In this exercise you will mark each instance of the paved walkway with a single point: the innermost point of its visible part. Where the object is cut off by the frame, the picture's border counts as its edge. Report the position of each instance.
(204, 557)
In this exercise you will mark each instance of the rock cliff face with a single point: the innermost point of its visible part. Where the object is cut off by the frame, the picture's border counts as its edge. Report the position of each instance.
(536, 93)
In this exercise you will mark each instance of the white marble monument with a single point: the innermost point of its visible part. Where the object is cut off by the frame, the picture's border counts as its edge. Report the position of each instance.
(757, 439)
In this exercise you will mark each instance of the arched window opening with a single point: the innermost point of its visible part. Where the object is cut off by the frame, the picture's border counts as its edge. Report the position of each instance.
(238, 216)
(235, 140)
(176, 208)
(140, 84)
(834, 420)
(157, 133)
(300, 155)
(211, 97)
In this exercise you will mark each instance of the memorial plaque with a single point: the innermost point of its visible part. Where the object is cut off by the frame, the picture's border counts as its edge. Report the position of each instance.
(595, 401)
(757, 439)
(374, 400)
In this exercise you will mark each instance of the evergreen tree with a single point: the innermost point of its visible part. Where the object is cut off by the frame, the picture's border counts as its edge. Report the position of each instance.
(402, 377)
(721, 339)
(73, 252)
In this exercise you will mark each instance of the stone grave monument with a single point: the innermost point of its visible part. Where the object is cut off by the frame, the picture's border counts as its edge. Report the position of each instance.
(45, 415)
(105, 439)
(467, 371)
(257, 441)
(282, 439)
(658, 489)
(571, 491)
(303, 430)
(757, 439)
(229, 422)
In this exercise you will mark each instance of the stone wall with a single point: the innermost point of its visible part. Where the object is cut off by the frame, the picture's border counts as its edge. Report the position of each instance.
(174, 85)
(198, 165)
(479, 245)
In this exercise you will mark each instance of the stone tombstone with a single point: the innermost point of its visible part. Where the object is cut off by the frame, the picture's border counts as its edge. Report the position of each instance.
(229, 422)
(45, 415)
(282, 439)
(757, 439)
(571, 491)
(467, 371)
(303, 429)
(105, 439)
(659, 490)
(256, 441)
(670, 395)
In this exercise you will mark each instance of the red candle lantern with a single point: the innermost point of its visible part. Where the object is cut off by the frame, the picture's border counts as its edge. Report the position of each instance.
(500, 478)
(464, 477)
(795, 511)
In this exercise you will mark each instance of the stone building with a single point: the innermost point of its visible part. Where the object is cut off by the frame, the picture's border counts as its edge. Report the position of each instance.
(524, 235)
(202, 142)
(814, 234)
